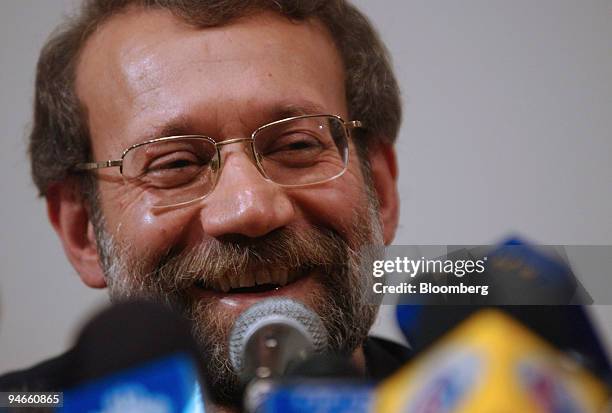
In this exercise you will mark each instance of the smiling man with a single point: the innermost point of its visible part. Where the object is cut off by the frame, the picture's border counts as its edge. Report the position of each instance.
(211, 154)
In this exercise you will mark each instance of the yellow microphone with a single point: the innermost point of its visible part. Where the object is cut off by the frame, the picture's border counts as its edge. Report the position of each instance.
(491, 363)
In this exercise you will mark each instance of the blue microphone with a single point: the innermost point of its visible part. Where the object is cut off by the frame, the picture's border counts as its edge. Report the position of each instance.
(134, 357)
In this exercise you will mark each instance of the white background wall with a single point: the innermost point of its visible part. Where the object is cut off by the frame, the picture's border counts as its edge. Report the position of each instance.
(507, 129)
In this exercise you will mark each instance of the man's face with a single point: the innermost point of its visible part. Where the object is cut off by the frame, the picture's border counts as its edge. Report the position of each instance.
(146, 74)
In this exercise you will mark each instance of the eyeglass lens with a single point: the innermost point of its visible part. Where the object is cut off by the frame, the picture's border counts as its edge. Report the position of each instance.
(295, 152)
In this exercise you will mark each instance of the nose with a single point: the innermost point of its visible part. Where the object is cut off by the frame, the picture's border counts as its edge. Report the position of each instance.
(244, 202)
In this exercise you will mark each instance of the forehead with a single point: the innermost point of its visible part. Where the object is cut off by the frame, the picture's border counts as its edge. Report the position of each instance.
(143, 70)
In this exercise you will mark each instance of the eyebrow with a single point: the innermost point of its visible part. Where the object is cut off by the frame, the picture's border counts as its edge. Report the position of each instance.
(181, 124)
(297, 109)
(174, 127)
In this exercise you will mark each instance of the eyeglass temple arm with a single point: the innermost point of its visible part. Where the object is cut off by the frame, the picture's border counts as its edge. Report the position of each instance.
(354, 124)
(88, 166)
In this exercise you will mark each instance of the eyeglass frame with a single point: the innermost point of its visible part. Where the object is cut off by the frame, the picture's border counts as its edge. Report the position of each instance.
(348, 126)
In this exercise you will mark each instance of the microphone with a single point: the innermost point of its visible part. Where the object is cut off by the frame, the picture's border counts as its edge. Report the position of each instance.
(134, 356)
(268, 338)
(272, 334)
(278, 347)
(492, 363)
(324, 367)
(325, 383)
(481, 356)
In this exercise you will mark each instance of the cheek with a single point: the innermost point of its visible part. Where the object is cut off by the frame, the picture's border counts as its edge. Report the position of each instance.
(336, 204)
(134, 224)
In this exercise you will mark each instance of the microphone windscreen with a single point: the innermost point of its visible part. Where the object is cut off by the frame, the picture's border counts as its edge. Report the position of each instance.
(294, 330)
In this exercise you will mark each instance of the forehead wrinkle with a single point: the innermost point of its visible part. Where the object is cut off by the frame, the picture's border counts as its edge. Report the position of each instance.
(145, 97)
(143, 65)
(210, 52)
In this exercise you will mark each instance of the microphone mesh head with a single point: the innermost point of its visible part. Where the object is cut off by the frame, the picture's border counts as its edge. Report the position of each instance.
(274, 310)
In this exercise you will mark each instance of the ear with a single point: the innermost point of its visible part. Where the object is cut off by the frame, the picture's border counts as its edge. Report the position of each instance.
(383, 164)
(70, 218)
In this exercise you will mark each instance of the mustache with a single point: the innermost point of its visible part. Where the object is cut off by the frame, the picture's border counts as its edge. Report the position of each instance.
(284, 248)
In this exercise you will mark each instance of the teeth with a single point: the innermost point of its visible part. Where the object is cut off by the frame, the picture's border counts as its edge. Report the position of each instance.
(247, 279)
(263, 277)
(214, 285)
(252, 278)
(281, 277)
(224, 284)
(292, 276)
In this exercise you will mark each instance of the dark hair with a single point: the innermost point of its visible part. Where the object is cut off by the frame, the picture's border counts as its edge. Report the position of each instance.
(60, 137)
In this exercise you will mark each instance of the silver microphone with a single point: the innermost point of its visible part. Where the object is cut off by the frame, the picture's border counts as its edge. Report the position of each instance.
(271, 334)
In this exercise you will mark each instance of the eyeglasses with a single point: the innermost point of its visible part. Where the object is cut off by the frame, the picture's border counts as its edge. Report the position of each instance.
(292, 152)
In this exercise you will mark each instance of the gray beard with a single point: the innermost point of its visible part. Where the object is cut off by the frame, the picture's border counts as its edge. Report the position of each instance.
(343, 302)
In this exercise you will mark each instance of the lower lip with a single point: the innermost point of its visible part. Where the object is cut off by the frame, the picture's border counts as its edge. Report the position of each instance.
(297, 289)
